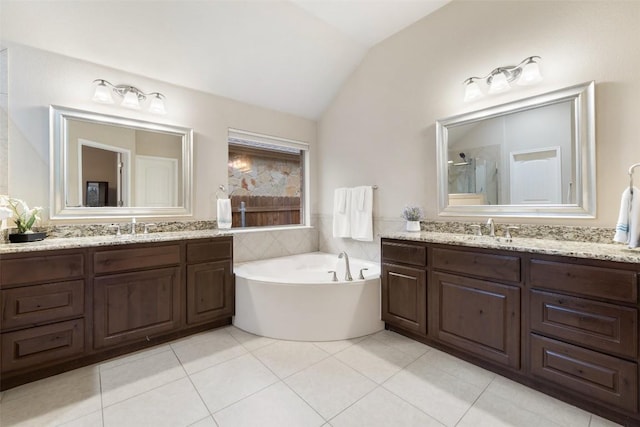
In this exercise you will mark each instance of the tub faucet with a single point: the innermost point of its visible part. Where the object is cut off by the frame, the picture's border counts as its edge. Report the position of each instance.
(347, 272)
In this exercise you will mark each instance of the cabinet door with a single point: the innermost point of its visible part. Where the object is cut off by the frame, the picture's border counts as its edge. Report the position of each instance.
(404, 297)
(133, 306)
(480, 317)
(210, 293)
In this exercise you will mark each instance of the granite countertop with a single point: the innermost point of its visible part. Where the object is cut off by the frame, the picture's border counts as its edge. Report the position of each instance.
(106, 240)
(602, 251)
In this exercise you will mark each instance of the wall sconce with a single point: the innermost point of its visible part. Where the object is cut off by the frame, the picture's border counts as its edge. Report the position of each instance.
(131, 96)
(526, 73)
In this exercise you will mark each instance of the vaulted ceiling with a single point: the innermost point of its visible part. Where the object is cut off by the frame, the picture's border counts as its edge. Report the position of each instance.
(291, 56)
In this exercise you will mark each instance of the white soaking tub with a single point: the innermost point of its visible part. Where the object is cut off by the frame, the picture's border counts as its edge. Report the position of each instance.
(294, 298)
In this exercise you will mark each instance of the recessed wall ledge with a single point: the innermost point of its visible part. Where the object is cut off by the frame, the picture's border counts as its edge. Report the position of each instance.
(531, 231)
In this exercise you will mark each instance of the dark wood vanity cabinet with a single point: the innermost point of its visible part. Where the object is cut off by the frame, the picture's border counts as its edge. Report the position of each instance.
(404, 285)
(66, 308)
(566, 326)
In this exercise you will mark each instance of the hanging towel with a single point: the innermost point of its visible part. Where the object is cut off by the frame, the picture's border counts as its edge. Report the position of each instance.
(341, 208)
(628, 224)
(224, 213)
(362, 213)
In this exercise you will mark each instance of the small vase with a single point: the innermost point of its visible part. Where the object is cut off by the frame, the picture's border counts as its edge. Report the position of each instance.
(26, 237)
(413, 225)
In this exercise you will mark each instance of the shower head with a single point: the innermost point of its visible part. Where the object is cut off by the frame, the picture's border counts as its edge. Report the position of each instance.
(463, 156)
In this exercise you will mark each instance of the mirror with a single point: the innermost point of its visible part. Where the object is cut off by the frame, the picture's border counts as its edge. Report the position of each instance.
(533, 157)
(106, 166)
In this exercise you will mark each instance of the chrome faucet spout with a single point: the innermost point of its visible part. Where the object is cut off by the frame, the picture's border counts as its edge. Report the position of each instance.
(347, 272)
(492, 227)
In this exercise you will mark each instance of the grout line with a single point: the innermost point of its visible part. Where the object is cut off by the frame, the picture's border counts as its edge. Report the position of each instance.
(474, 402)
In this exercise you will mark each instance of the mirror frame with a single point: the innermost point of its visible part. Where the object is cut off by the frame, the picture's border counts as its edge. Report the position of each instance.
(582, 97)
(58, 132)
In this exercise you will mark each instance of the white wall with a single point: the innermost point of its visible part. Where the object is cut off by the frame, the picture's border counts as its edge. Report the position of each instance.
(38, 79)
(380, 129)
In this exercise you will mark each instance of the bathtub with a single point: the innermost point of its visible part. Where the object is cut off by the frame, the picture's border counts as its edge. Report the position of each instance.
(294, 298)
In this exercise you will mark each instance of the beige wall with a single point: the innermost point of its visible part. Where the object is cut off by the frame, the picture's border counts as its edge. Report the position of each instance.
(38, 79)
(380, 129)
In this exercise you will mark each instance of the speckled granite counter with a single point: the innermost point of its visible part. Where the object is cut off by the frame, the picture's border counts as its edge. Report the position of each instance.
(602, 251)
(107, 240)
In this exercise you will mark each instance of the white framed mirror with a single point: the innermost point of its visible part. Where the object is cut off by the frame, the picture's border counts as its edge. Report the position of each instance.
(105, 166)
(533, 157)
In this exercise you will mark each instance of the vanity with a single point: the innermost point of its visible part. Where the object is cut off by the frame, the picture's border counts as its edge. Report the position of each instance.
(67, 303)
(560, 317)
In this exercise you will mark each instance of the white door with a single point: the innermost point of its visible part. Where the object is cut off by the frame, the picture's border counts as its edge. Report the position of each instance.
(156, 182)
(536, 176)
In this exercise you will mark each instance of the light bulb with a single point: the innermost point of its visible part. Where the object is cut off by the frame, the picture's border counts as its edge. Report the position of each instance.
(530, 74)
(131, 100)
(102, 94)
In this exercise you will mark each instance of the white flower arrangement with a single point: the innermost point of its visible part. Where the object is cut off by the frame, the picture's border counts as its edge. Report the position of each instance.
(412, 213)
(23, 217)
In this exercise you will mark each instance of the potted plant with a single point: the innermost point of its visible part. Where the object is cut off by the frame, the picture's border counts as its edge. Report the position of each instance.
(23, 218)
(413, 215)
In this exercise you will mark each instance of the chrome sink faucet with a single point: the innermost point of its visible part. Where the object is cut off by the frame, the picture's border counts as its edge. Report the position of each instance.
(133, 226)
(347, 272)
(492, 227)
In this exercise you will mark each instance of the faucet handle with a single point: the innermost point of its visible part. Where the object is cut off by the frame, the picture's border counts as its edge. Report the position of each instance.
(117, 227)
(361, 276)
(507, 233)
(147, 226)
(334, 278)
(477, 229)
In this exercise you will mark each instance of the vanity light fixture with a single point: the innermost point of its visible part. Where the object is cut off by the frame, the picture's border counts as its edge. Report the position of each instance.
(132, 96)
(527, 72)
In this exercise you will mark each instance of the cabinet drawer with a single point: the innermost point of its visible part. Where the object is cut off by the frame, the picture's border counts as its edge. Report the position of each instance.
(599, 282)
(211, 250)
(404, 253)
(47, 268)
(487, 266)
(39, 346)
(605, 378)
(598, 325)
(37, 304)
(136, 258)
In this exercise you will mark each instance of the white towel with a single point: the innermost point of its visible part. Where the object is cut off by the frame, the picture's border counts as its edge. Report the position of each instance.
(362, 213)
(628, 224)
(224, 213)
(341, 212)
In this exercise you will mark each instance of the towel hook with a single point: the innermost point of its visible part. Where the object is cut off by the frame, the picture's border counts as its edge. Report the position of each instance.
(635, 165)
(224, 191)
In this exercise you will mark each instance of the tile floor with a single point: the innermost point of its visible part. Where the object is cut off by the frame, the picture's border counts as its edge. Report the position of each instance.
(228, 377)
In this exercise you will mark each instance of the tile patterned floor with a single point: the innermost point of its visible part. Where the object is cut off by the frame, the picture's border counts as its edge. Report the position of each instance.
(228, 377)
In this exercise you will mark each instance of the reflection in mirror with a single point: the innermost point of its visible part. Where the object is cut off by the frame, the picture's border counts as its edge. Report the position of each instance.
(105, 166)
(532, 157)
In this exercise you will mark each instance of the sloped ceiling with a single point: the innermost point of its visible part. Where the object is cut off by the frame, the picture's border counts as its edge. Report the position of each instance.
(289, 56)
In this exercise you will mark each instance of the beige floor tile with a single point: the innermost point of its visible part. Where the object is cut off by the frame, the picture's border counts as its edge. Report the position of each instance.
(121, 360)
(226, 383)
(402, 343)
(250, 341)
(374, 359)
(275, 406)
(205, 350)
(330, 386)
(288, 357)
(94, 419)
(597, 421)
(138, 376)
(493, 411)
(459, 368)
(52, 401)
(381, 408)
(437, 393)
(539, 403)
(333, 347)
(205, 422)
(173, 404)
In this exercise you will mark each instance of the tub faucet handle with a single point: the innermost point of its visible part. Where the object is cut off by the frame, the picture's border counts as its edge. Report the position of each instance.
(361, 276)
(335, 277)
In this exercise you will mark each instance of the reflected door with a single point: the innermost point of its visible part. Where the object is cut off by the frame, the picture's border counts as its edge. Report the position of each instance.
(156, 181)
